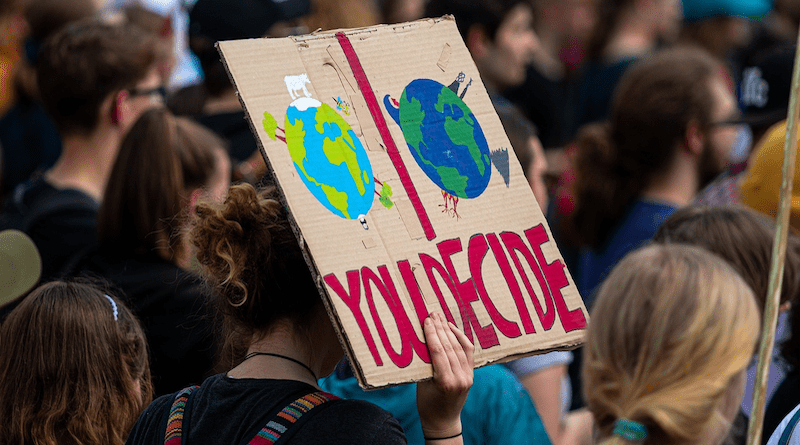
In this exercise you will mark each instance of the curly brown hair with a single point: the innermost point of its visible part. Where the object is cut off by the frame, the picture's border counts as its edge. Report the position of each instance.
(250, 256)
(70, 372)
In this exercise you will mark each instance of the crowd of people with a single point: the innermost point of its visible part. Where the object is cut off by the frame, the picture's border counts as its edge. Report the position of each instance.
(152, 288)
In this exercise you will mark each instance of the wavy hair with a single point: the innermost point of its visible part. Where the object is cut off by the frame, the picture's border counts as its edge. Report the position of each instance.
(70, 373)
(249, 254)
(672, 326)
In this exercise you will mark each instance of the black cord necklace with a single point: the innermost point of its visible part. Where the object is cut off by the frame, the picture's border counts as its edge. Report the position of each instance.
(272, 354)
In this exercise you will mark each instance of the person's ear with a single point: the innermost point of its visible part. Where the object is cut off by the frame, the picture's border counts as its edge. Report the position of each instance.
(117, 107)
(477, 42)
(693, 138)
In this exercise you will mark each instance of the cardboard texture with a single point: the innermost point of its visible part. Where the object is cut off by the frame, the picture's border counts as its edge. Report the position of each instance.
(406, 193)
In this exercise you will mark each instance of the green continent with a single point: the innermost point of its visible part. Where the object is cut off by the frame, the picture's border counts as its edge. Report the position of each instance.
(341, 150)
(411, 120)
(453, 179)
(461, 131)
(270, 125)
(294, 140)
(337, 199)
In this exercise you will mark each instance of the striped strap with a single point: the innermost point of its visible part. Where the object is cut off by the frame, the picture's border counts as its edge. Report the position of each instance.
(175, 420)
(288, 417)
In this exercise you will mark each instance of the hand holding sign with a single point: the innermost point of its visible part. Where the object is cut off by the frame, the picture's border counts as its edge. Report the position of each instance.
(439, 401)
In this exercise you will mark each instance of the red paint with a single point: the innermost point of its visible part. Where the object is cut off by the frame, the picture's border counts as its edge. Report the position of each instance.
(465, 296)
(401, 317)
(403, 358)
(556, 280)
(476, 252)
(429, 264)
(511, 281)
(383, 129)
(352, 300)
(515, 246)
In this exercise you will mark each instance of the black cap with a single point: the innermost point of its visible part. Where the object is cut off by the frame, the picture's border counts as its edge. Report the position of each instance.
(766, 86)
(242, 19)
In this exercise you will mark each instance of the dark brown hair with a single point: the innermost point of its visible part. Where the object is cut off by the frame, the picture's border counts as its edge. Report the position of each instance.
(250, 255)
(608, 14)
(69, 371)
(487, 15)
(654, 103)
(160, 161)
(742, 237)
(84, 64)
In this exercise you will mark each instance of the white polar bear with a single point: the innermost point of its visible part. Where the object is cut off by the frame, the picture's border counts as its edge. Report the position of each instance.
(295, 83)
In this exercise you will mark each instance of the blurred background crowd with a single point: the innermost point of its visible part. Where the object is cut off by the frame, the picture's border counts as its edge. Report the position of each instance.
(635, 122)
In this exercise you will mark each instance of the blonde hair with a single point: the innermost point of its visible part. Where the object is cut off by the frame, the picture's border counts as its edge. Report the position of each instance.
(671, 327)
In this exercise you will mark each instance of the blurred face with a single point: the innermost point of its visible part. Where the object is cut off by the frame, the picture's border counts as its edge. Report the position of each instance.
(669, 15)
(722, 134)
(143, 96)
(536, 173)
(507, 58)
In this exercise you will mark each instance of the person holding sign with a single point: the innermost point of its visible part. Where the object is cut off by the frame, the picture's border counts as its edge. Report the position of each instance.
(672, 332)
(278, 339)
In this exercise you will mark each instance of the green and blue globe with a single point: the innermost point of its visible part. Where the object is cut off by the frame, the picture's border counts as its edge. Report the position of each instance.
(444, 137)
(329, 158)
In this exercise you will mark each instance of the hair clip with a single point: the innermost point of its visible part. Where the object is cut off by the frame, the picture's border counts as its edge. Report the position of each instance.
(114, 307)
(628, 429)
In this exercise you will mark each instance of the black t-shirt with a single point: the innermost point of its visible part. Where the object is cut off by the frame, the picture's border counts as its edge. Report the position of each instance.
(61, 222)
(231, 411)
(172, 306)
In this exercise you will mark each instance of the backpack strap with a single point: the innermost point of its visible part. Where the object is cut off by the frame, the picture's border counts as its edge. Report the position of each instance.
(174, 433)
(286, 422)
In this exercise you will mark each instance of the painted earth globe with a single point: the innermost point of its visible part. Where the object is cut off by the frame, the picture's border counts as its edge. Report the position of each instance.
(329, 158)
(444, 137)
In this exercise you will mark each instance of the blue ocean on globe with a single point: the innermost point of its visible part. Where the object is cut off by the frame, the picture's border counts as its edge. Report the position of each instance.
(444, 137)
(329, 158)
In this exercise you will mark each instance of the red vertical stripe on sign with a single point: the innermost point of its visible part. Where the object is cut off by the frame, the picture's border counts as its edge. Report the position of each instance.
(380, 122)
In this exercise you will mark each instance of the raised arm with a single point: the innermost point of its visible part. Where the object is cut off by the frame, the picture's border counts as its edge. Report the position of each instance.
(440, 400)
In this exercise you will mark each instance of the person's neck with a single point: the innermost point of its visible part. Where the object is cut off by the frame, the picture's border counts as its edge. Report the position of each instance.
(678, 185)
(632, 39)
(86, 162)
(283, 342)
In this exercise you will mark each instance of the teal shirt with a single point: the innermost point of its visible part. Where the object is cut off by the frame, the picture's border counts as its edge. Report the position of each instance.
(498, 409)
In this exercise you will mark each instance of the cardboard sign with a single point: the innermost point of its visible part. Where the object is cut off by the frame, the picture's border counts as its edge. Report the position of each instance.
(406, 193)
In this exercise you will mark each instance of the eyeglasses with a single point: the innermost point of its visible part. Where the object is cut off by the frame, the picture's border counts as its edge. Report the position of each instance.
(159, 93)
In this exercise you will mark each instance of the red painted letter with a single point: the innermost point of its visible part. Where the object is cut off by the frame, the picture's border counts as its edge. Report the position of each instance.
(352, 301)
(403, 358)
(511, 281)
(514, 244)
(556, 280)
(465, 296)
(476, 251)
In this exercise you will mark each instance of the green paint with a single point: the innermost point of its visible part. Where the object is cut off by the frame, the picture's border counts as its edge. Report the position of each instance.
(454, 180)
(342, 150)
(386, 196)
(294, 140)
(270, 125)
(461, 131)
(336, 198)
(411, 116)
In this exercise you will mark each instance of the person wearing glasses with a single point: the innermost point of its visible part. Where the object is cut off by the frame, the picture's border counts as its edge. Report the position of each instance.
(95, 80)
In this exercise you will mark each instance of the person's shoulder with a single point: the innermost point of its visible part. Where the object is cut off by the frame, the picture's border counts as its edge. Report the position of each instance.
(357, 421)
(150, 428)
